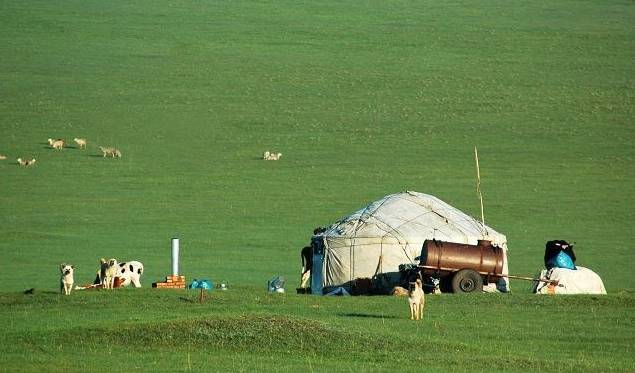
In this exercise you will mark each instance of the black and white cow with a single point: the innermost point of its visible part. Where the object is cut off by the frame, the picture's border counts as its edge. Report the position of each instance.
(130, 272)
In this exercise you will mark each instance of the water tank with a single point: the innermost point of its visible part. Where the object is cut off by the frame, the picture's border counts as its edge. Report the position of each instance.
(449, 257)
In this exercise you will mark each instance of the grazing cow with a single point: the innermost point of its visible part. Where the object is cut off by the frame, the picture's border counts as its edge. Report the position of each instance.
(125, 273)
(131, 273)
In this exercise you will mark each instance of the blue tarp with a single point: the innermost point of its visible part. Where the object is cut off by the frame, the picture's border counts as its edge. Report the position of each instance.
(201, 284)
(562, 260)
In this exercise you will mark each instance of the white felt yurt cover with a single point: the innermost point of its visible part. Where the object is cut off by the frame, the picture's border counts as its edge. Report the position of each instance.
(570, 281)
(393, 228)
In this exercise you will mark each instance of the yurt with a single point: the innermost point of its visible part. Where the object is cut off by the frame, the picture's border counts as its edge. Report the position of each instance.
(390, 232)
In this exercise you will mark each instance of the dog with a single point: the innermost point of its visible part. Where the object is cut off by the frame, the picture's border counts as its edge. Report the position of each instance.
(110, 151)
(107, 272)
(81, 143)
(416, 300)
(26, 162)
(436, 286)
(66, 278)
(130, 272)
(399, 291)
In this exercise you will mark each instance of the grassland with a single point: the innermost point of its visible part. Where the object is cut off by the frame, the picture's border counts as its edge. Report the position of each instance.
(363, 99)
(242, 330)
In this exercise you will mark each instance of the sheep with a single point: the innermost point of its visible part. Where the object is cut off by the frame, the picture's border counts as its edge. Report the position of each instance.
(56, 144)
(274, 156)
(81, 143)
(271, 156)
(110, 151)
(26, 162)
(2, 157)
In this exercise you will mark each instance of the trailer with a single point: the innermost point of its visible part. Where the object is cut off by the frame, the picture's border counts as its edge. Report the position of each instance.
(463, 268)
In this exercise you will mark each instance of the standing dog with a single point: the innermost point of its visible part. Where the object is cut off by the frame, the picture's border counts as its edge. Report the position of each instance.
(107, 273)
(66, 279)
(416, 300)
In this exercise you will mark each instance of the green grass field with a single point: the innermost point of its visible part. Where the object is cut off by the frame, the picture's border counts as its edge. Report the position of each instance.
(242, 330)
(363, 99)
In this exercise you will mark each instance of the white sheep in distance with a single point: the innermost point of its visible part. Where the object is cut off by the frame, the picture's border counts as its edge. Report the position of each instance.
(271, 156)
(26, 162)
(110, 151)
(81, 143)
(274, 156)
(56, 144)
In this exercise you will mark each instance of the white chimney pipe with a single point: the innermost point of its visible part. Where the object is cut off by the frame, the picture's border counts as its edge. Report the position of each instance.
(175, 256)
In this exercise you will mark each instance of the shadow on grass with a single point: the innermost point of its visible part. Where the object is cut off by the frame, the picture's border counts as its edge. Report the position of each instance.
(192, 300)
(34, 291)
(47, 146)
(365, 315)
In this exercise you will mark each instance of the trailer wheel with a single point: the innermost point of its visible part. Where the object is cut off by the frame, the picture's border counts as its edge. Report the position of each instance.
(466, 281)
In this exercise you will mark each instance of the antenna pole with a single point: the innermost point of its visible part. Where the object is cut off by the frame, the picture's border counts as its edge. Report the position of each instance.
(478, 186)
